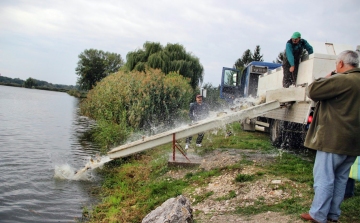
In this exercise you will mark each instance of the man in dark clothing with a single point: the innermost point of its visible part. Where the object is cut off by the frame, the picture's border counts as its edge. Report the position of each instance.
(198, 111)
(292, 56)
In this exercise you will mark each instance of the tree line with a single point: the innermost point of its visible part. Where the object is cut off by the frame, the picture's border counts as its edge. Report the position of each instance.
(94, 65)
(34, 83)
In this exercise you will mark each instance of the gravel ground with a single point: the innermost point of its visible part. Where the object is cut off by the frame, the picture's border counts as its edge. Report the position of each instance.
(213, 209)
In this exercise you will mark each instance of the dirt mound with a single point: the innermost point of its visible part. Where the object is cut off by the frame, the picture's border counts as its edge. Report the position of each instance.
(219, 207)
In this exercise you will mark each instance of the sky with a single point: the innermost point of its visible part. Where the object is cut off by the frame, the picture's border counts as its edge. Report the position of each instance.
(42, 39)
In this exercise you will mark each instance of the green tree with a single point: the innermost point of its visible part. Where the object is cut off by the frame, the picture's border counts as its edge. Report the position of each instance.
(171, 58)
(94, 65)
(248, 57)
(256, 55)
(242, 62)
(29, 83)
(212, 97)
(280, 58)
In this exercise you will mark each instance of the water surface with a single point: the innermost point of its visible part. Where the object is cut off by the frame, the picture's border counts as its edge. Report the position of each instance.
(39, 131)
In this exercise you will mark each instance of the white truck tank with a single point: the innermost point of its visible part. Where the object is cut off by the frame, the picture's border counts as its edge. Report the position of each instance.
(314, 66)
(296, 113)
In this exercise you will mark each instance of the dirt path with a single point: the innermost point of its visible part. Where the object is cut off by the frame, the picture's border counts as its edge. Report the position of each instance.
(218, 208)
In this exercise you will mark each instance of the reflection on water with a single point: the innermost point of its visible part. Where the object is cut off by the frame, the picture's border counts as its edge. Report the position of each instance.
(40, 132)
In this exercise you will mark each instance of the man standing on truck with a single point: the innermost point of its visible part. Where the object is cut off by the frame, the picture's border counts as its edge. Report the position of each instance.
(198, 111)
(292, 56)
(334, 133)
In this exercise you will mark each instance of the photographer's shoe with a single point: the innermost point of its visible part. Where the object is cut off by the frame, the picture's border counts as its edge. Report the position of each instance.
(307, 217)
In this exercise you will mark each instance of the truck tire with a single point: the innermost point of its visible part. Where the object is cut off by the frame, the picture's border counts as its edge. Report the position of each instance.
(297, 135)
(276, 133)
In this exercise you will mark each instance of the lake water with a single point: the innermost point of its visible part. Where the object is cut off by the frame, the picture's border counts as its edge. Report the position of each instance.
(40, 131)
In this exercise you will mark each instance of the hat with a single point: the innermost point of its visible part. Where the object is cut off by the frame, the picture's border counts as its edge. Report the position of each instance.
(296, 35)
(199, 96)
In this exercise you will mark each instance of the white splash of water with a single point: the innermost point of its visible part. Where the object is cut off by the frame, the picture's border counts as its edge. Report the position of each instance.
(67, 172)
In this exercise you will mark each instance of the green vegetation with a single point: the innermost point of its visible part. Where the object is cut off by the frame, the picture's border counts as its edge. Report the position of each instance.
(171, 58)
(136, 185)
(212, 97)
(141, 97)
(14, 82)
(30, 83)
(94, 65)
(244, 177)
(77, 93)
(134, 101)
(248, 57)
(34, 83)
(297, 170)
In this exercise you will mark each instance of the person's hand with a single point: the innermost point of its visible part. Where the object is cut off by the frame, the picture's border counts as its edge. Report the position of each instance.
(292, 68)
(330, 74)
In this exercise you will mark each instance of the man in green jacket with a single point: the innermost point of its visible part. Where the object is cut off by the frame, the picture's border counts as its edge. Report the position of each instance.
(292, 56)
(335, 134)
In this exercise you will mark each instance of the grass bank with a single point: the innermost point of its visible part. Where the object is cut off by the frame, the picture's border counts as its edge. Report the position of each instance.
(136, 185)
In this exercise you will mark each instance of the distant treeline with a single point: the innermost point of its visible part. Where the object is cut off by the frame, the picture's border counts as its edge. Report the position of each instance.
(37, 84)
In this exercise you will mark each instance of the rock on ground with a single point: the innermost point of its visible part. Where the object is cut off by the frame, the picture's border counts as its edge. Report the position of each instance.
(174, 210)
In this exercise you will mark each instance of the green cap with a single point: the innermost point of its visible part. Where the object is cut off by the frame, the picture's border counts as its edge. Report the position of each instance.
(296, 35)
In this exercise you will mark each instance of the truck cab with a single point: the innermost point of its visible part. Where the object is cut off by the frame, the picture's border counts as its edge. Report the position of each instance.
(237, 84)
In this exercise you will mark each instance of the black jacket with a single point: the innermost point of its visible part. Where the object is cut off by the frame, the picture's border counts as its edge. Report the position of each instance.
(198, 112)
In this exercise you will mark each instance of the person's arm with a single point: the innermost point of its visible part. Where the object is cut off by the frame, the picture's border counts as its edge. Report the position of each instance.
(289, 54)
(325, 88)
(308, 48)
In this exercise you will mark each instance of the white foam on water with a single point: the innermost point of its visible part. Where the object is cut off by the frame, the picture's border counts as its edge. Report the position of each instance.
(67, 172)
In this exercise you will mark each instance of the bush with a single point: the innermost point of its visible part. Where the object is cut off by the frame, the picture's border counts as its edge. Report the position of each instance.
(138, 101)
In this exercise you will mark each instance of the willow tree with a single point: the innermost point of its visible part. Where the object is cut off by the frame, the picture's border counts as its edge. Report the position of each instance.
(171, 58)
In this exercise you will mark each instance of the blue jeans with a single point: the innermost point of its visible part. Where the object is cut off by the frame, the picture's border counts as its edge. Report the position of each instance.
(331, 172)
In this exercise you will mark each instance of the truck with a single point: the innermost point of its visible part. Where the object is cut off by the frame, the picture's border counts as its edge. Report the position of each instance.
(287, 125)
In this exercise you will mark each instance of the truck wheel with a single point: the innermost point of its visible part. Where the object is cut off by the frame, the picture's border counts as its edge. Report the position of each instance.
(275, 133)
